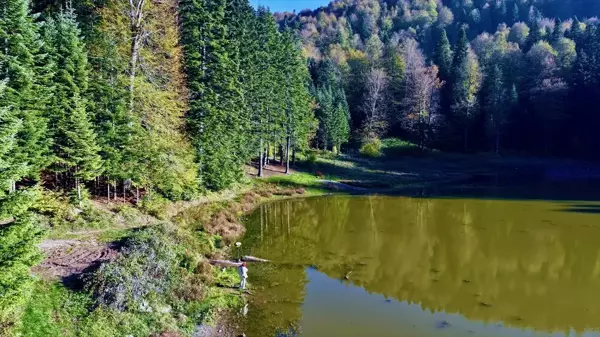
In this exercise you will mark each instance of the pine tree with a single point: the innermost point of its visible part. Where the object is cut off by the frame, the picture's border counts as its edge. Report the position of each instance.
(333, 106)
(535, 35)
(466, 79)
(241, 22)
(214, 114)
(395, 68)
(75, 145)
(300, 122)
(443, 59)
(576, 33)
(78, 150)
(557, 33)
(516, 16)
(495, 104)
(443, 56)
(21, 65)
(19, 233)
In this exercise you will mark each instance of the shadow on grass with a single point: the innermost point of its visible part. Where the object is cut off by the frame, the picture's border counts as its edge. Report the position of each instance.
(441, 176)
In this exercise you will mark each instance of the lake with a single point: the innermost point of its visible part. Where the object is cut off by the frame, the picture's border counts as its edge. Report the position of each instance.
(465, 261)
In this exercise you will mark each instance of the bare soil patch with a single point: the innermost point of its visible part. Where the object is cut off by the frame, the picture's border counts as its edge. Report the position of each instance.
(70, 258)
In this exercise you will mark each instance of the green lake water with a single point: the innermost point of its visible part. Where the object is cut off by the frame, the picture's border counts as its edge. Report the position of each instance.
(476, 265)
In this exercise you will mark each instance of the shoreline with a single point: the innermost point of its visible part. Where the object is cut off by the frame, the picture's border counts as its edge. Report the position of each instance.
(217, 219)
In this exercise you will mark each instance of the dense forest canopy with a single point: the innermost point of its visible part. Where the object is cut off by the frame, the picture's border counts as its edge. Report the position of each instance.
(504, 75)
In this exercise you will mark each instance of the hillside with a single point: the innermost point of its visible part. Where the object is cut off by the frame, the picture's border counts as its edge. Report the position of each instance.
(503, 76)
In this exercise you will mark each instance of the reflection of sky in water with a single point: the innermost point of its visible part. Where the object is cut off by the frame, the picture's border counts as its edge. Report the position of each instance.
(336, 308)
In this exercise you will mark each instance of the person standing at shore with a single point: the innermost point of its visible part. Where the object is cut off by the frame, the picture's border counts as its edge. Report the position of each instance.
(243, 271)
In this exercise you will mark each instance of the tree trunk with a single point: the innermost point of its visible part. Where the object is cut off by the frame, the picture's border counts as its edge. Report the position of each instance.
(280, 155)
(260, 159)
(108, 189)
(294, 157)
(287, 155)
(497, 142)
(78, 190)
(136, 16)
(266, 155)
(466, 137)
(137, 195)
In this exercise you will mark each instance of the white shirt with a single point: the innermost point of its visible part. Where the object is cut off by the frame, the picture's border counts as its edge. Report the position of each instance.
(243, 272)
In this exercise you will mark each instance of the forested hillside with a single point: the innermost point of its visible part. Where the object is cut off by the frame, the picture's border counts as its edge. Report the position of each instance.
(516, 76)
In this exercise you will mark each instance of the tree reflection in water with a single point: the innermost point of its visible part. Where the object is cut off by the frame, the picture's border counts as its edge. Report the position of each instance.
(528, 264)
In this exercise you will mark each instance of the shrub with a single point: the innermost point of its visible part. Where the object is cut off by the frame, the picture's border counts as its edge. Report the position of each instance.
(394, 147)
(155, 205)
(146, 272)
(312, 157)
(371, 149)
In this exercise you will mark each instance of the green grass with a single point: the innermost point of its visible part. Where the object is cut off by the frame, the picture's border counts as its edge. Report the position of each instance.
(53, 310)
(395, 147)
(310, 182)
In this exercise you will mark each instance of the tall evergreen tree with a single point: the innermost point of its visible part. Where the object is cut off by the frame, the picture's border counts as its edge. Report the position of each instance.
(74, 140)
(214, 116)
(22, 67)
(300, 122)
(466, 79)
(497, 104)
(576, 32)
(557, 33)
(516, 16)
(19, 233)
(443, 56)
(443, 59)
(535, 35)
(395, 67)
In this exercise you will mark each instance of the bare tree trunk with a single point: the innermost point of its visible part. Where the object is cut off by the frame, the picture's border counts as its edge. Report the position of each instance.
(466, 137)
(260, 159)
(77, 183)
(280, 155)
(108, 189)
(266, 155)
(136, 16)
(497, 142)
(467, 131)
(287, 154)
(137, 195)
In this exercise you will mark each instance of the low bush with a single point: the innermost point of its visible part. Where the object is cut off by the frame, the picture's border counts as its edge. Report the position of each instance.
(155, 205)
(395, 147)
(371, 149)
(144, 275)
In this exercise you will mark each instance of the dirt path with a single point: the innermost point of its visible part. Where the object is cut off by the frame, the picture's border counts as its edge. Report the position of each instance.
(67, 258)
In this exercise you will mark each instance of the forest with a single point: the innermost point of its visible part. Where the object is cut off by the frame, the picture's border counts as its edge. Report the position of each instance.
(147, 101)
(510, 77)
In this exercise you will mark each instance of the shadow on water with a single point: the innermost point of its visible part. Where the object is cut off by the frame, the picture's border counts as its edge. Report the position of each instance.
(590, 209)
(462, 177)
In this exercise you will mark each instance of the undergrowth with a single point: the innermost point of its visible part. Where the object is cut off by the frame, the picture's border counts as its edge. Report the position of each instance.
(160, 282)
